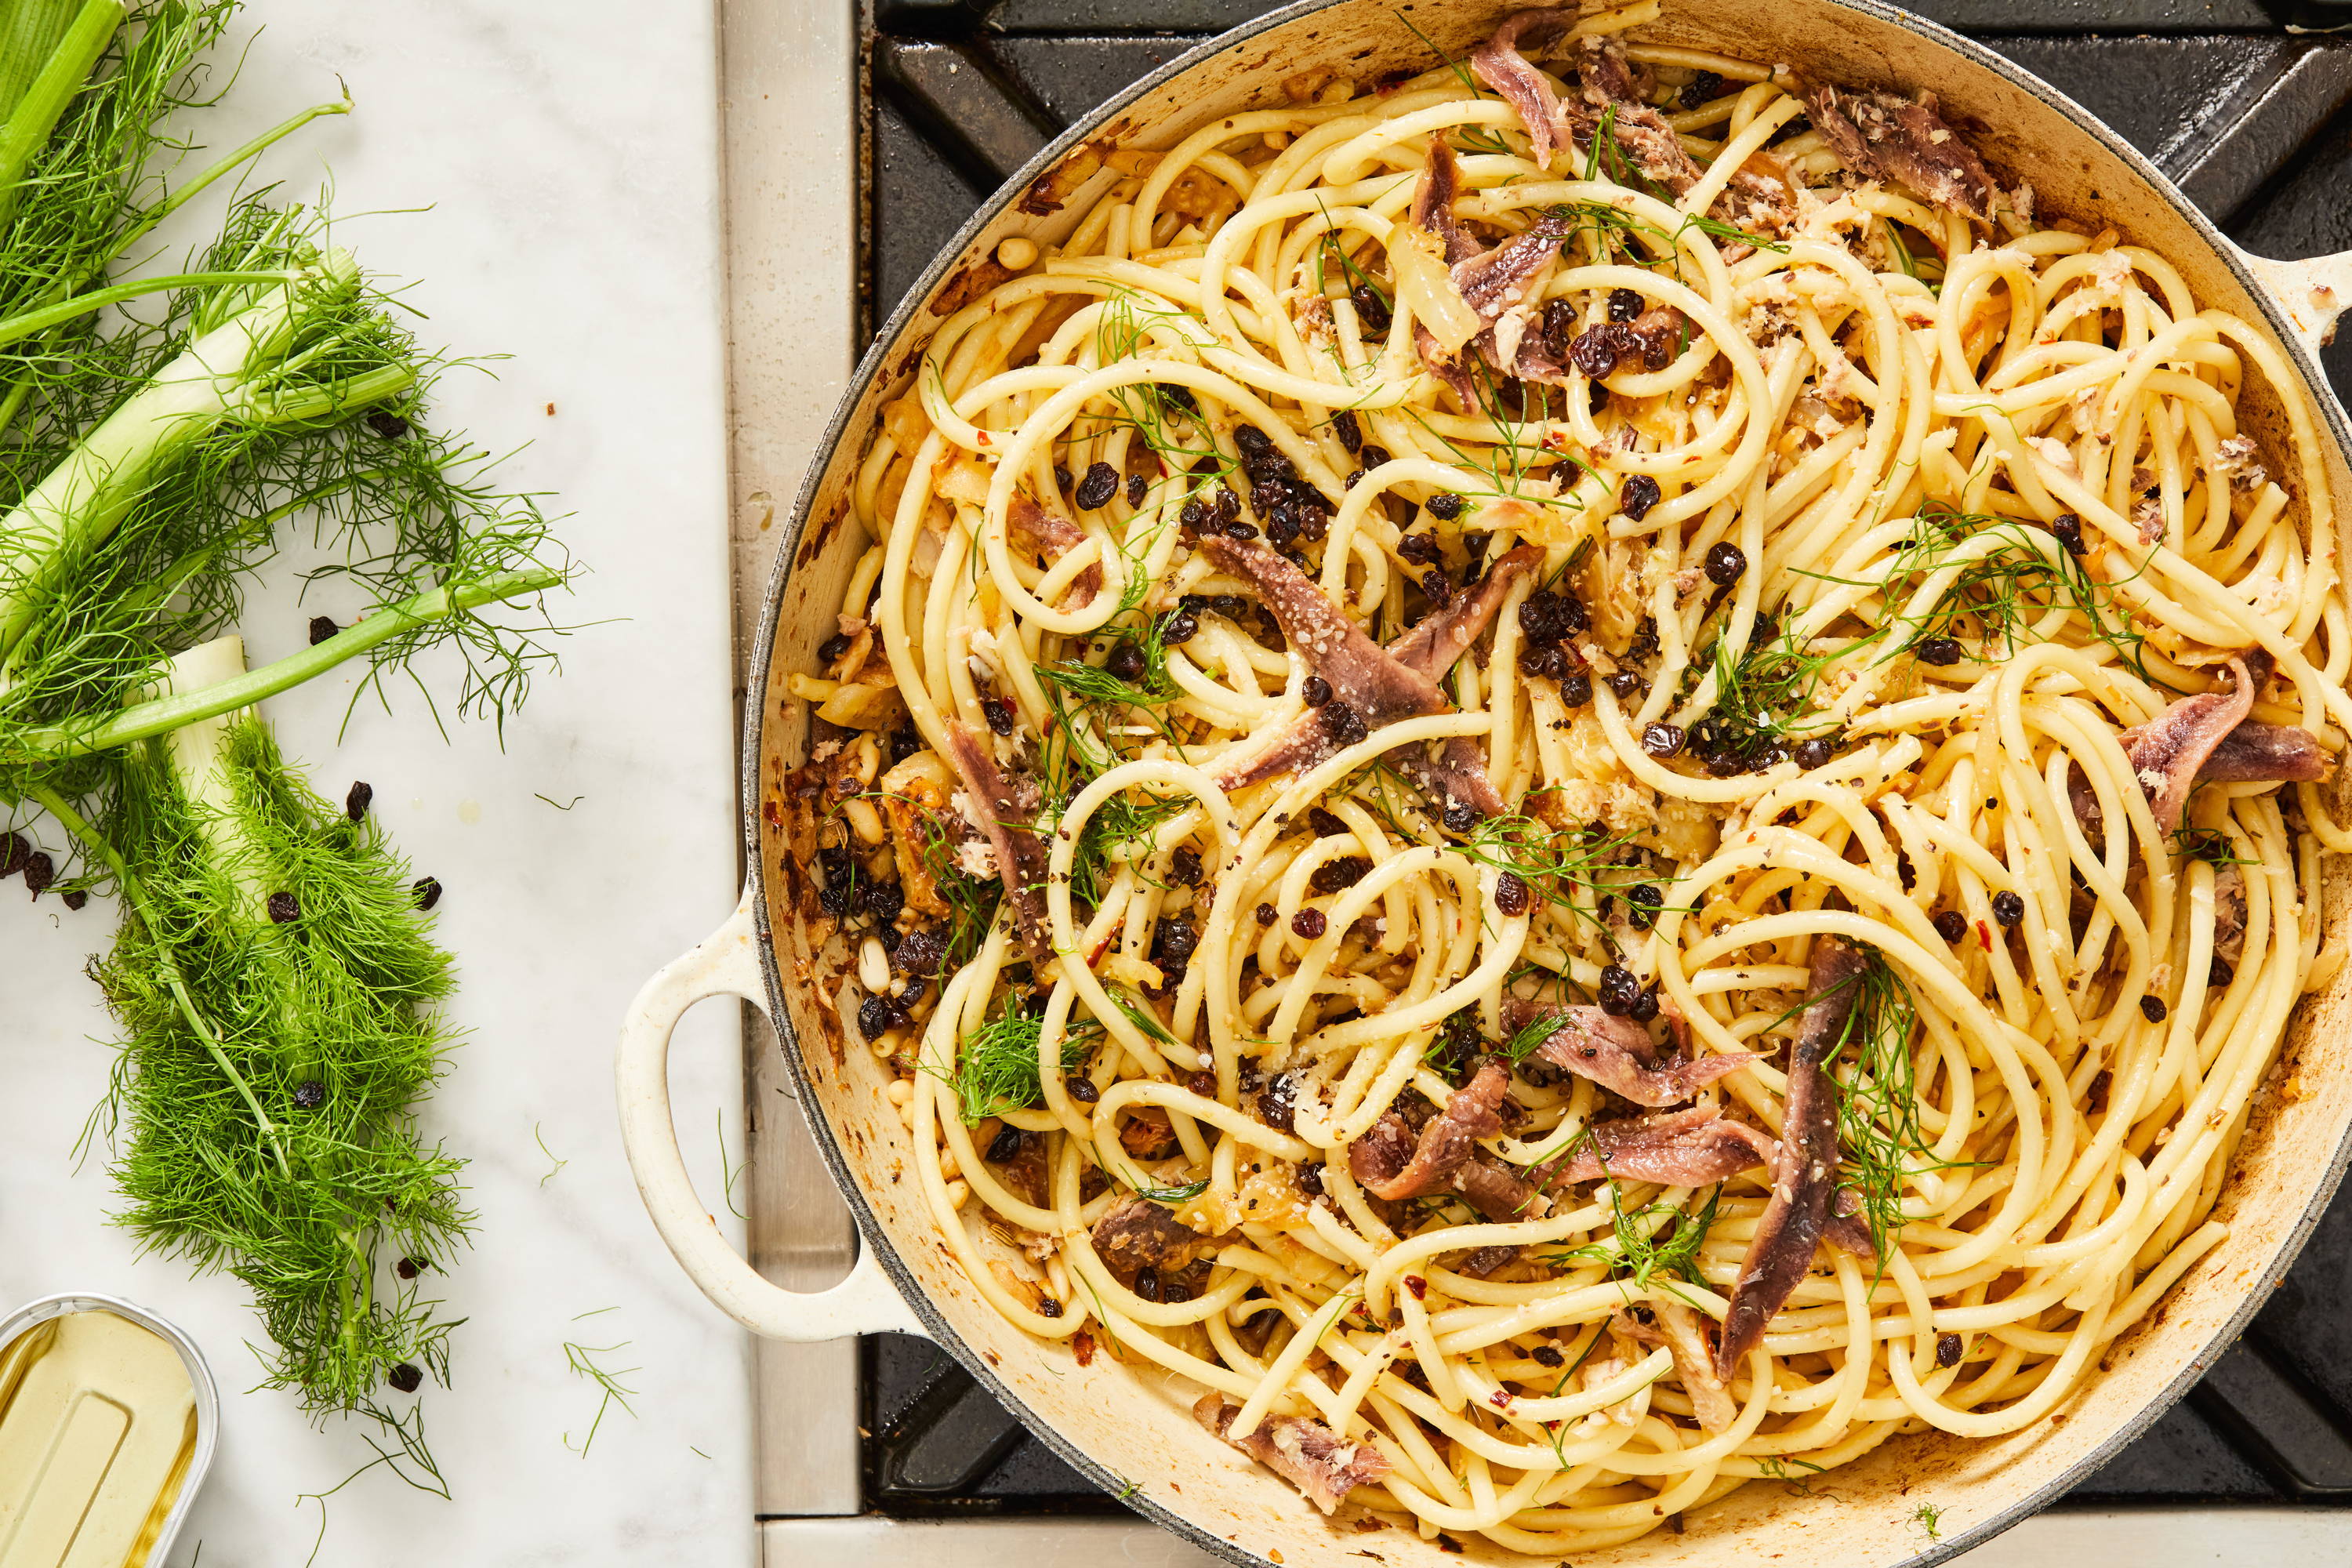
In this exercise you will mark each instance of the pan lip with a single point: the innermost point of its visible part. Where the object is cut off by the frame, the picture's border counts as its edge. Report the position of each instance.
(870, 369)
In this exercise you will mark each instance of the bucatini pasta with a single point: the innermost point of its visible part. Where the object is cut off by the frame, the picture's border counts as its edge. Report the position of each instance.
(1570, 778)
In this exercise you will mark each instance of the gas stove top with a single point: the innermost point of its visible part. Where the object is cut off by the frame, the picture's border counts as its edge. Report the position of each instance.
(2247, 105)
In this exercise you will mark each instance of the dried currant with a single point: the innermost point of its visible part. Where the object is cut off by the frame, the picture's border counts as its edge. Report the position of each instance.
(1619, 990)
(1342, 724)
(1511, 895)
(1939, 651)
(1637, 495)
(1099, 485)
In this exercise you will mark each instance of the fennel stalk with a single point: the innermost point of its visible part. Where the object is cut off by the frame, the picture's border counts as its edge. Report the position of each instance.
(273, 976)
(278, 991)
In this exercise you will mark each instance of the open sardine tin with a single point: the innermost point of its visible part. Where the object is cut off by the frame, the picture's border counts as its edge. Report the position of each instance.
(108, 1417)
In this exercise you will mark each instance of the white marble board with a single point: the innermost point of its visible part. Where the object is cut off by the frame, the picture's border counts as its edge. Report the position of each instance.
(567, 152)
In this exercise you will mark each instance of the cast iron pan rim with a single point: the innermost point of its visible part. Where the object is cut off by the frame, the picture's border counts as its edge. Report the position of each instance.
(886, 342)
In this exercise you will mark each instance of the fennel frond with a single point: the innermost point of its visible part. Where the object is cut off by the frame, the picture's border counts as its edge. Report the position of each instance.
(278, 991)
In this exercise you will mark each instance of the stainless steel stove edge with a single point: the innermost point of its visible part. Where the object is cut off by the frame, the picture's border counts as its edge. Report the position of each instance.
(790, 137)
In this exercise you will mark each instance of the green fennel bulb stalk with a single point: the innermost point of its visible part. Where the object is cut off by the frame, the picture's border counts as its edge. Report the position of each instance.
(277, 988)
(275, 980)
(239, 368)
(47, 53)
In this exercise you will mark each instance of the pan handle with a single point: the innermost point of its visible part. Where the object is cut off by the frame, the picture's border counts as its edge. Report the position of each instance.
(726, 963)
(2312, 292)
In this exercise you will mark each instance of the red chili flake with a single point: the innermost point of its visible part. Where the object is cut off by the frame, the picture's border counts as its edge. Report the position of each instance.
(1418, 1285)
(1984, 935)
(1500, 1400)
(1082, 1345)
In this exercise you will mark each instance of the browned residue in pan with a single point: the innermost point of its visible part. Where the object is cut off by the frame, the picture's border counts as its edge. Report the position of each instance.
(970, 283)
(1046, 194)
(813, 542)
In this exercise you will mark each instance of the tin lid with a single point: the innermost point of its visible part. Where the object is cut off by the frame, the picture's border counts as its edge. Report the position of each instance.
(109, 1419)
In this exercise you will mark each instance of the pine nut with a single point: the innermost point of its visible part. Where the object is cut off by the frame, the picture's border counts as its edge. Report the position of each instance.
(864, 820)
(866, 753)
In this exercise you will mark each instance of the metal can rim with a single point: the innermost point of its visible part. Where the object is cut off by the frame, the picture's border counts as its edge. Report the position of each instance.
(200, 1376)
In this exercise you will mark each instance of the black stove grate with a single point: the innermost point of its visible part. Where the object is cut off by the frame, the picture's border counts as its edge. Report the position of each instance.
(2247, 105)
